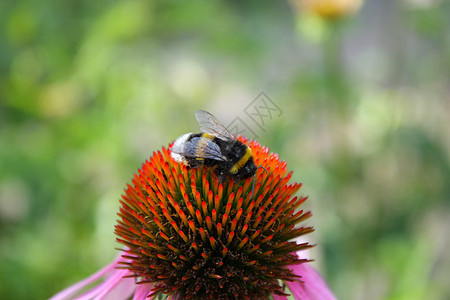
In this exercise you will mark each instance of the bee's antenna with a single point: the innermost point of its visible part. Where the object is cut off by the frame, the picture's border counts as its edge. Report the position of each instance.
(254, 176)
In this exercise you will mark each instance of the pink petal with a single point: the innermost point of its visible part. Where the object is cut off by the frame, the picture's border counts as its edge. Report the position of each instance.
(276, 297)
(65, 294)
(113, 287)
(124, 290)
(101, 290)
(142, 291)
(313, 286)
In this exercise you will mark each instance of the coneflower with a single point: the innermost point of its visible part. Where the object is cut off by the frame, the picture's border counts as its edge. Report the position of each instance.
(187, 236)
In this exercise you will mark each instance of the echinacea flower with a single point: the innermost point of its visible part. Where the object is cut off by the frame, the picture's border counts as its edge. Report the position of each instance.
(187, 236)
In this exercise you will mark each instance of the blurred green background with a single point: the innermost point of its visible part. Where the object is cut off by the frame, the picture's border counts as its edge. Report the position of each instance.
(89, 89)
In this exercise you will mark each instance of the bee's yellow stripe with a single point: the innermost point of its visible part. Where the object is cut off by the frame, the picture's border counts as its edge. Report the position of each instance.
(208, 136)
(241, 162)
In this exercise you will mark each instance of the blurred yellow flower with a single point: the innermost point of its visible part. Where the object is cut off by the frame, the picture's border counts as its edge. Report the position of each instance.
(328, 9)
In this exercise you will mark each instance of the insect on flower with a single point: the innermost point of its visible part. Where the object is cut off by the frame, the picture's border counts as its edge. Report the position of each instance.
(188, 236)
(216, 146)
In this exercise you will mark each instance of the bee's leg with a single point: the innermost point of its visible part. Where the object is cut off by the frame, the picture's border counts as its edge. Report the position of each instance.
(221, 176)
(194, 163)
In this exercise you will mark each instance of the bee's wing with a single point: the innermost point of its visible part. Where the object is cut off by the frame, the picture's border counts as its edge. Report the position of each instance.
(195, 148)
(209, 124)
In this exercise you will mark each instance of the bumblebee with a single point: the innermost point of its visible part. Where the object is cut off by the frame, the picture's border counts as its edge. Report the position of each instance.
(216, 146)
